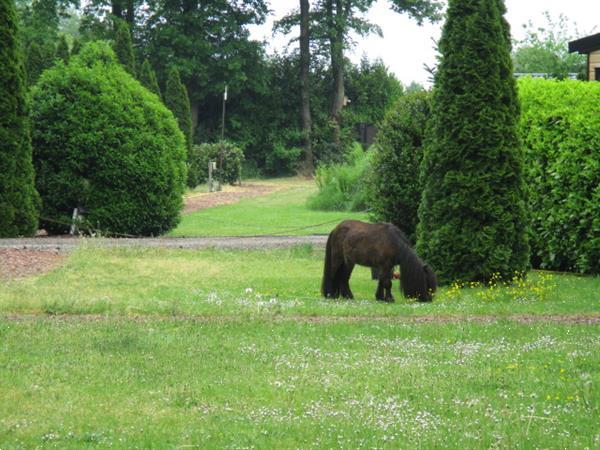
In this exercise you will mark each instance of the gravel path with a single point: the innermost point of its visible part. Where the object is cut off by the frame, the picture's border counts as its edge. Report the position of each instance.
(71, 243)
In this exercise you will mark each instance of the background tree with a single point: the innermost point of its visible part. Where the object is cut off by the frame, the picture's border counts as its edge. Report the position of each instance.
(546, 50)
(333, 21)
(148, 78)
(19, 201)
(304, 76)
(212, 47)
(473, 221)
(177, 100)
(123, 47)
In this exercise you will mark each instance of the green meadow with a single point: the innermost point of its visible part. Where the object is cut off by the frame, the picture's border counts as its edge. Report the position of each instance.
(282, 212)
(213, 349)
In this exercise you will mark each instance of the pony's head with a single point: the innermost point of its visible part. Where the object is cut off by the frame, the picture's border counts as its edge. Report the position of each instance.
(418, 281)
(431, 283)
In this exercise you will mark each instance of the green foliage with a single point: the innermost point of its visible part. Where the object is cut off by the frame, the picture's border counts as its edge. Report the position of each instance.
(19, 201)
(473, 222)
(148, 78)
(62, 50)
(177, 100)
(282, 160)
(38, 59)
(394, 187)
(123, 47)
(371, 89)
(546, 50)
(560, 128)
(105, 144)
(228, 157)
(342, 185)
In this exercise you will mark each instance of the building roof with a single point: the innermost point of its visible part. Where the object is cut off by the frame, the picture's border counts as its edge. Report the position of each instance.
(585, 45)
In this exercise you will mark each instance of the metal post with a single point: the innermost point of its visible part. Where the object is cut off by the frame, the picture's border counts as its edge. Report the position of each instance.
(73, 229)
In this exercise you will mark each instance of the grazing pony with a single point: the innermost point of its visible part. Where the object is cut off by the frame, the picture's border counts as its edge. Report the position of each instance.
(380, 246)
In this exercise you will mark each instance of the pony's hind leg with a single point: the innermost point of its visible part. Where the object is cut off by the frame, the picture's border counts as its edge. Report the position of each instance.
(345, 273)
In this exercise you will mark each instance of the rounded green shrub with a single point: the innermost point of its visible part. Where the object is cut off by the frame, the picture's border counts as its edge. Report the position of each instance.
(560, 129)
(228, 153)
(393, 188)
(104, 143)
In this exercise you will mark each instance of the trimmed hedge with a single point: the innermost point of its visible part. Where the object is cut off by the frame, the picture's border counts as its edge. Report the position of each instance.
(560, 129)
(104, 143)
(393, 188)
(231, 172)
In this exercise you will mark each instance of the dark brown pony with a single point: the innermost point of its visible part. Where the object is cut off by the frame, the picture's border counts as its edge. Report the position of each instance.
(380, 246)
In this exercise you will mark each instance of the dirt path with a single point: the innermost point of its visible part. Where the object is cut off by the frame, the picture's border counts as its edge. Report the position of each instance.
(573, 319)
(229, 195)
(33, 256)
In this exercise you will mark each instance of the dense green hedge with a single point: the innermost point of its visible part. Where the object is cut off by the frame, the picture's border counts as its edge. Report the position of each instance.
(560, 129)
(231, 156)
(103, 142)
(393, 188)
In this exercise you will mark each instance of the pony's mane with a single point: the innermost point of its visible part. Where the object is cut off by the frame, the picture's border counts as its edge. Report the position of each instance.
(416, 278)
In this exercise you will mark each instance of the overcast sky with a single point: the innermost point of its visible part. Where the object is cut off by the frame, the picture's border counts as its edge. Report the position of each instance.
(406, 47)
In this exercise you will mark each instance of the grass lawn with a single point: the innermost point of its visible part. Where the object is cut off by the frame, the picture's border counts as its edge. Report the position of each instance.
(282, 212)
(211, 349)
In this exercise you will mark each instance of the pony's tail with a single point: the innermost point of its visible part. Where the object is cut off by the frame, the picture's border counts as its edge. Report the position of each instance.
(328, 283)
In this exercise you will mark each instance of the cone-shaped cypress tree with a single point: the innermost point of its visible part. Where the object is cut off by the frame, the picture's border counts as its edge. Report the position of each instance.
(34, 63)
(148, 78)
(177, 100)
(76, 47)
(123, 47)
(473, 222)
(62, 50)
(19, 201)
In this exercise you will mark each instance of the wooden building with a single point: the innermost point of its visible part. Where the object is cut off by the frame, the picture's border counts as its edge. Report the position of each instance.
(589, 46)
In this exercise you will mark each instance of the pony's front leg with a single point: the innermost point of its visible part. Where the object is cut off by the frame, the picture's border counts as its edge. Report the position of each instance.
(384, 286)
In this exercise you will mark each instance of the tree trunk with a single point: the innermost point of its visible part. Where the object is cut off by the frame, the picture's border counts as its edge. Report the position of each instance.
(194, 106)
(130, 15)
(305, 94)
(336, 42)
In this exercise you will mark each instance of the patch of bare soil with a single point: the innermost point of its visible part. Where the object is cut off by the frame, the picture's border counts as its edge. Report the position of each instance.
(20, 263)
(229, 194)
(565, 319)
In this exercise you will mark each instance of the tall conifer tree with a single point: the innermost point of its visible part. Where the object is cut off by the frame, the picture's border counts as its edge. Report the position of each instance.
(19, 201)
(177, 100)
(473, 221)
(148, 78)
(123, 46)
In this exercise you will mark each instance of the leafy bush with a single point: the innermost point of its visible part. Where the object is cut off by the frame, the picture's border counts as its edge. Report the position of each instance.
(283, 160)
(560, 129)
(342, 186)
(232, 157)
(103, 142)
(394, 189)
